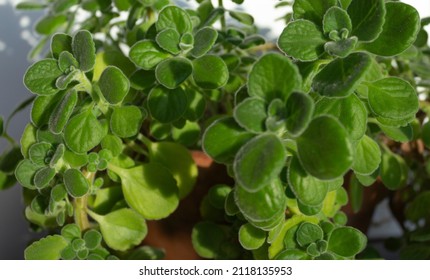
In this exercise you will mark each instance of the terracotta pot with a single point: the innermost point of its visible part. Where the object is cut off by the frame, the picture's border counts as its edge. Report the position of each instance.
(173, 234)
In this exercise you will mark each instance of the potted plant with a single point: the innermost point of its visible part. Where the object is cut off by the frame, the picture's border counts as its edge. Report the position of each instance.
(129, 94)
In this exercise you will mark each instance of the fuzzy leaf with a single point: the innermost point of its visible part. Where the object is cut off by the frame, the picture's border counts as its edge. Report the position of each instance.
(147, 54)
(312, 10)
(62, 112)
(336, 19)
(48, 248)
(175, 18)
(168, 39)
(250, 237)
(204, 39)
(367, 18)
(251, 114)
(367, 156)
(173, 71)
(346, 241)
(126, 121)
(210, 72)
(167, 105)
(76, 184)
(114, 85)
(84, 50)
(60, 42)
(41, 76)
(299, 111)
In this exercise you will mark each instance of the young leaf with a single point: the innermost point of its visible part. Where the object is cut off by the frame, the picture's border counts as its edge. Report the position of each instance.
(83, 132)
(66, 60)
(76, 183)
(183, 168)
(259, 162)
(126, 121)
(308, 233)
(346, 241)
(41, 76)
(299, 111)
(92, 239)
(267, 78)
(149, 189)
(175, 18)
(367, 19)
(251, 114)
(43, 106)
(302, 40)
(173, 71)
(147, 54)
(400, 29)
(204, 39)
(61, 114)
(43, 177)
(112, 143)
(350, 111)
(341, 48)
(168, 39)
(28, 138)
(114, 85)
(210, 72)
(250, 237)
(262, 205)
(84, 50)
(392, 98)
(324, 149)
(367, 156)
(60, 42)
(223, 139)
(58, 193)
(48, 248)
(312, 10)
(122, 229)
(336, 19)
(167, 105)
(341, 76)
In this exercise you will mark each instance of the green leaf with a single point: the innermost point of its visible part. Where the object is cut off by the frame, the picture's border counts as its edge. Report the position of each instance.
(58, 193)
(43, 177)
(175, 18)
(147, 54)
(168, 39)
(84, 50)
(187, 42)
(356, 194)
(367, 19)
(204, 39)
(126, 121)
(76, 183)
(43, 106)
(6, 181)
(223, 139)
(341, 48)
(50, 23)
(312, 10)
(41, 76)
(61, 6)
(167, 105)
(417, 209)
(210, 72)
(114, 85)
(28, 138)
(292, 254)
(207, 238)
(29, 5)
(324, 149)
(346, 241)
(146, 253)
(393, 99)
(336, 19)
(122, 229)
(218, 194)
(350, 111)
(60, 42)
(48, 248)
(308, 233)
(251, 114)
(83, 132)
(62, 112)
(299, 111)
(267, 78)
(259, 162)
(244, 18)
(302, 40)
(66, 61)
(183, 168)
(400, 134)
(367, 156)
(150, 189)
(368, 180)
(71, 232)
(250, 237)
(196, 105)
(308, 189)
(262, 205)
(173, 71)
(252, 41)
(342, 76)
(400, 29)
(112, 58)
(394, 171)
(25, 172)
(92, 239)
(10, 159)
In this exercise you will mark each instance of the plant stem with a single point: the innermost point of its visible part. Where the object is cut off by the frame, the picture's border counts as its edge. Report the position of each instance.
(81, 217)
(137, 148)
(223, 22)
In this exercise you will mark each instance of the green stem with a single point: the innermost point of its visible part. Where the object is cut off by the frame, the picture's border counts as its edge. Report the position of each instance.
(9, 139)
(81, 217)
(145, 140)
(137, 148)
(223, 22)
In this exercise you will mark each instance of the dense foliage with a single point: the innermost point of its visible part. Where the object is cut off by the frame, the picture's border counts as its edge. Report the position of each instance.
(127, 88)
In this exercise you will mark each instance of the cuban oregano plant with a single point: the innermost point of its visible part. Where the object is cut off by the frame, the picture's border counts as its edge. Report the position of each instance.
(127, 88)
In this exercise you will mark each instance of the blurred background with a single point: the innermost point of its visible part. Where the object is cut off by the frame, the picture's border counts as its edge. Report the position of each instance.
(16, 40)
